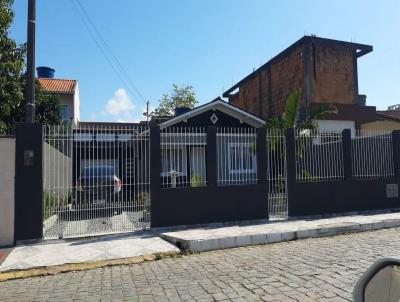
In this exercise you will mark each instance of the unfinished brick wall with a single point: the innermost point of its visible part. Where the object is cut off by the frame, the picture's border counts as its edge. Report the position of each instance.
(247, 97)
(330, 70)
(286, 76)
(333, 81)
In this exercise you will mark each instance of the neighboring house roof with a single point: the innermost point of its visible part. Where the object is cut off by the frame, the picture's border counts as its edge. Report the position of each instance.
(217, 104)
(58, 85)
(389, 114)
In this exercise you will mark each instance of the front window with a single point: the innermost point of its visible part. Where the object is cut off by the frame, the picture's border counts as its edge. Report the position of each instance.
(242, 158)
(64, 113)
(98, 171)
(173, 159)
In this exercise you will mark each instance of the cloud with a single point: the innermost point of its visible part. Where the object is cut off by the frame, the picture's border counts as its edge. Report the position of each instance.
(122, 109)
(120, 104)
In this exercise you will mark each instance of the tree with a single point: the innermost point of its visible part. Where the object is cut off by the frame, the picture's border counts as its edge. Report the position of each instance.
(47, 107)
(11, 71)
(290, 118)
(12, 80)
(178, 97)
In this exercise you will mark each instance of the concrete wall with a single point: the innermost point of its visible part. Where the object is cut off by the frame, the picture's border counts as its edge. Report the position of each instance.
(77, 105)
(336, 126)
(57, 172)
(7, 180)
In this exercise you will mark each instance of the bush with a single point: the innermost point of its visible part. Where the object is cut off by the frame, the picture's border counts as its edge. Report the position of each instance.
(142, 201)
(196, 181)
(52, 203)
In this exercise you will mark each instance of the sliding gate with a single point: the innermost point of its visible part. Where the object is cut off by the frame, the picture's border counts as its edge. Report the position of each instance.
(96, 180)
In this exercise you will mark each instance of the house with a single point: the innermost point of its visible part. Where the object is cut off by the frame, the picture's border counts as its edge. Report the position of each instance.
(183, 140)
(326, 72)
(184, 144)
(386, 120)
(67, 90)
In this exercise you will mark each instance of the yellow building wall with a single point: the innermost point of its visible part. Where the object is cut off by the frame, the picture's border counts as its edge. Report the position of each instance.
(381, 125)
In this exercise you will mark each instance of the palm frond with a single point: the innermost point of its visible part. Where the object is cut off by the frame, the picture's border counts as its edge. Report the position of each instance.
(275, 123)
(321, 110)
(292, 109)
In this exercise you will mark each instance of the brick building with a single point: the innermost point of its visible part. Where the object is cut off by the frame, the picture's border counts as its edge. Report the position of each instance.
(326, 72)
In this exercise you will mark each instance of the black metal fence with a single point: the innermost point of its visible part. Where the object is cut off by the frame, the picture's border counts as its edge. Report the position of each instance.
(347, 174)
(223, 175)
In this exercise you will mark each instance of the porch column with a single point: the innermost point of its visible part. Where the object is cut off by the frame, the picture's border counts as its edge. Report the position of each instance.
(155, 171)
(290, 140)
(211, 156)
(347, 155)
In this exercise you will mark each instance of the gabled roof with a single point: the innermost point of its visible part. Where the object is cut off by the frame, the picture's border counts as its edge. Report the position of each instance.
(360, 49)
(58, 85)
(217, 104)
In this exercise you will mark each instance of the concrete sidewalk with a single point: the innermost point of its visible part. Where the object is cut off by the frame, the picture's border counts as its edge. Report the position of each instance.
(221, 237)
(87, 250)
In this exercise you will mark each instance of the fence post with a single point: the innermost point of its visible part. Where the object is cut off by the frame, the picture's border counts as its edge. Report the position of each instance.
(262, 164)
(290, 141)
(28, 224)
(347, 155)
(211, 166)
(396, 152)
(155, 172)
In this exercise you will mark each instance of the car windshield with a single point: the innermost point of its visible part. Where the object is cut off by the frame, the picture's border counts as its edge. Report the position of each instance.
(98, 171)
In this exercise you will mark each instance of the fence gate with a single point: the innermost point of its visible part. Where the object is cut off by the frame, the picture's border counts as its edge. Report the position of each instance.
(277, 180)
(96, 180)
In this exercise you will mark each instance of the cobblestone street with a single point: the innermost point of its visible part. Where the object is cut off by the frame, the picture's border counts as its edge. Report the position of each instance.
(319, 269)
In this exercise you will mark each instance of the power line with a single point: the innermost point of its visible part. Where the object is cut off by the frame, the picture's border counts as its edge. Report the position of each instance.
(106, 49)
(121, 68)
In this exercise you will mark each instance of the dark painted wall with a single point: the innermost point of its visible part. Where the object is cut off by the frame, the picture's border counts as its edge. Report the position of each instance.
(347, 195)
(28, 181)
(212, 203)
(321, 198)
(185, 206)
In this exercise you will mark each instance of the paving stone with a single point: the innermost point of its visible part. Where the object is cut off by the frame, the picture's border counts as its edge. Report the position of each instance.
(315, 269)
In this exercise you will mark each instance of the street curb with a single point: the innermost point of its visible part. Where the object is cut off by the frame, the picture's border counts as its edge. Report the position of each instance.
(64, 268)
(323, 230)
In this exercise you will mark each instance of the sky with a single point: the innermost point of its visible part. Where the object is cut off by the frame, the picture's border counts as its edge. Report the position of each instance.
(209, 44)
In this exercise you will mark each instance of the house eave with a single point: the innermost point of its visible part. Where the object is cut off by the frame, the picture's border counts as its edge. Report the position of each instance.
(222, 106)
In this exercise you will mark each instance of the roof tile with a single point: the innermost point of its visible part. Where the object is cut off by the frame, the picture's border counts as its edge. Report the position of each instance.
(58, 85)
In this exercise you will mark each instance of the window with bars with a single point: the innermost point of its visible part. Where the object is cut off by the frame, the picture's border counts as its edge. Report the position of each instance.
(174, 158)
(242, 158)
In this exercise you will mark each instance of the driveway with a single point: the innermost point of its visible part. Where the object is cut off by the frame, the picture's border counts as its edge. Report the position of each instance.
(317, 269)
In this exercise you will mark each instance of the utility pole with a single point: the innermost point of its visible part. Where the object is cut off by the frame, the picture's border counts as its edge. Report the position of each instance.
(147, 113)
(30, 68)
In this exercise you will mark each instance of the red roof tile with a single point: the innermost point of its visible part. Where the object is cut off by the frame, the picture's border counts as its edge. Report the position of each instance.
(57, 85)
